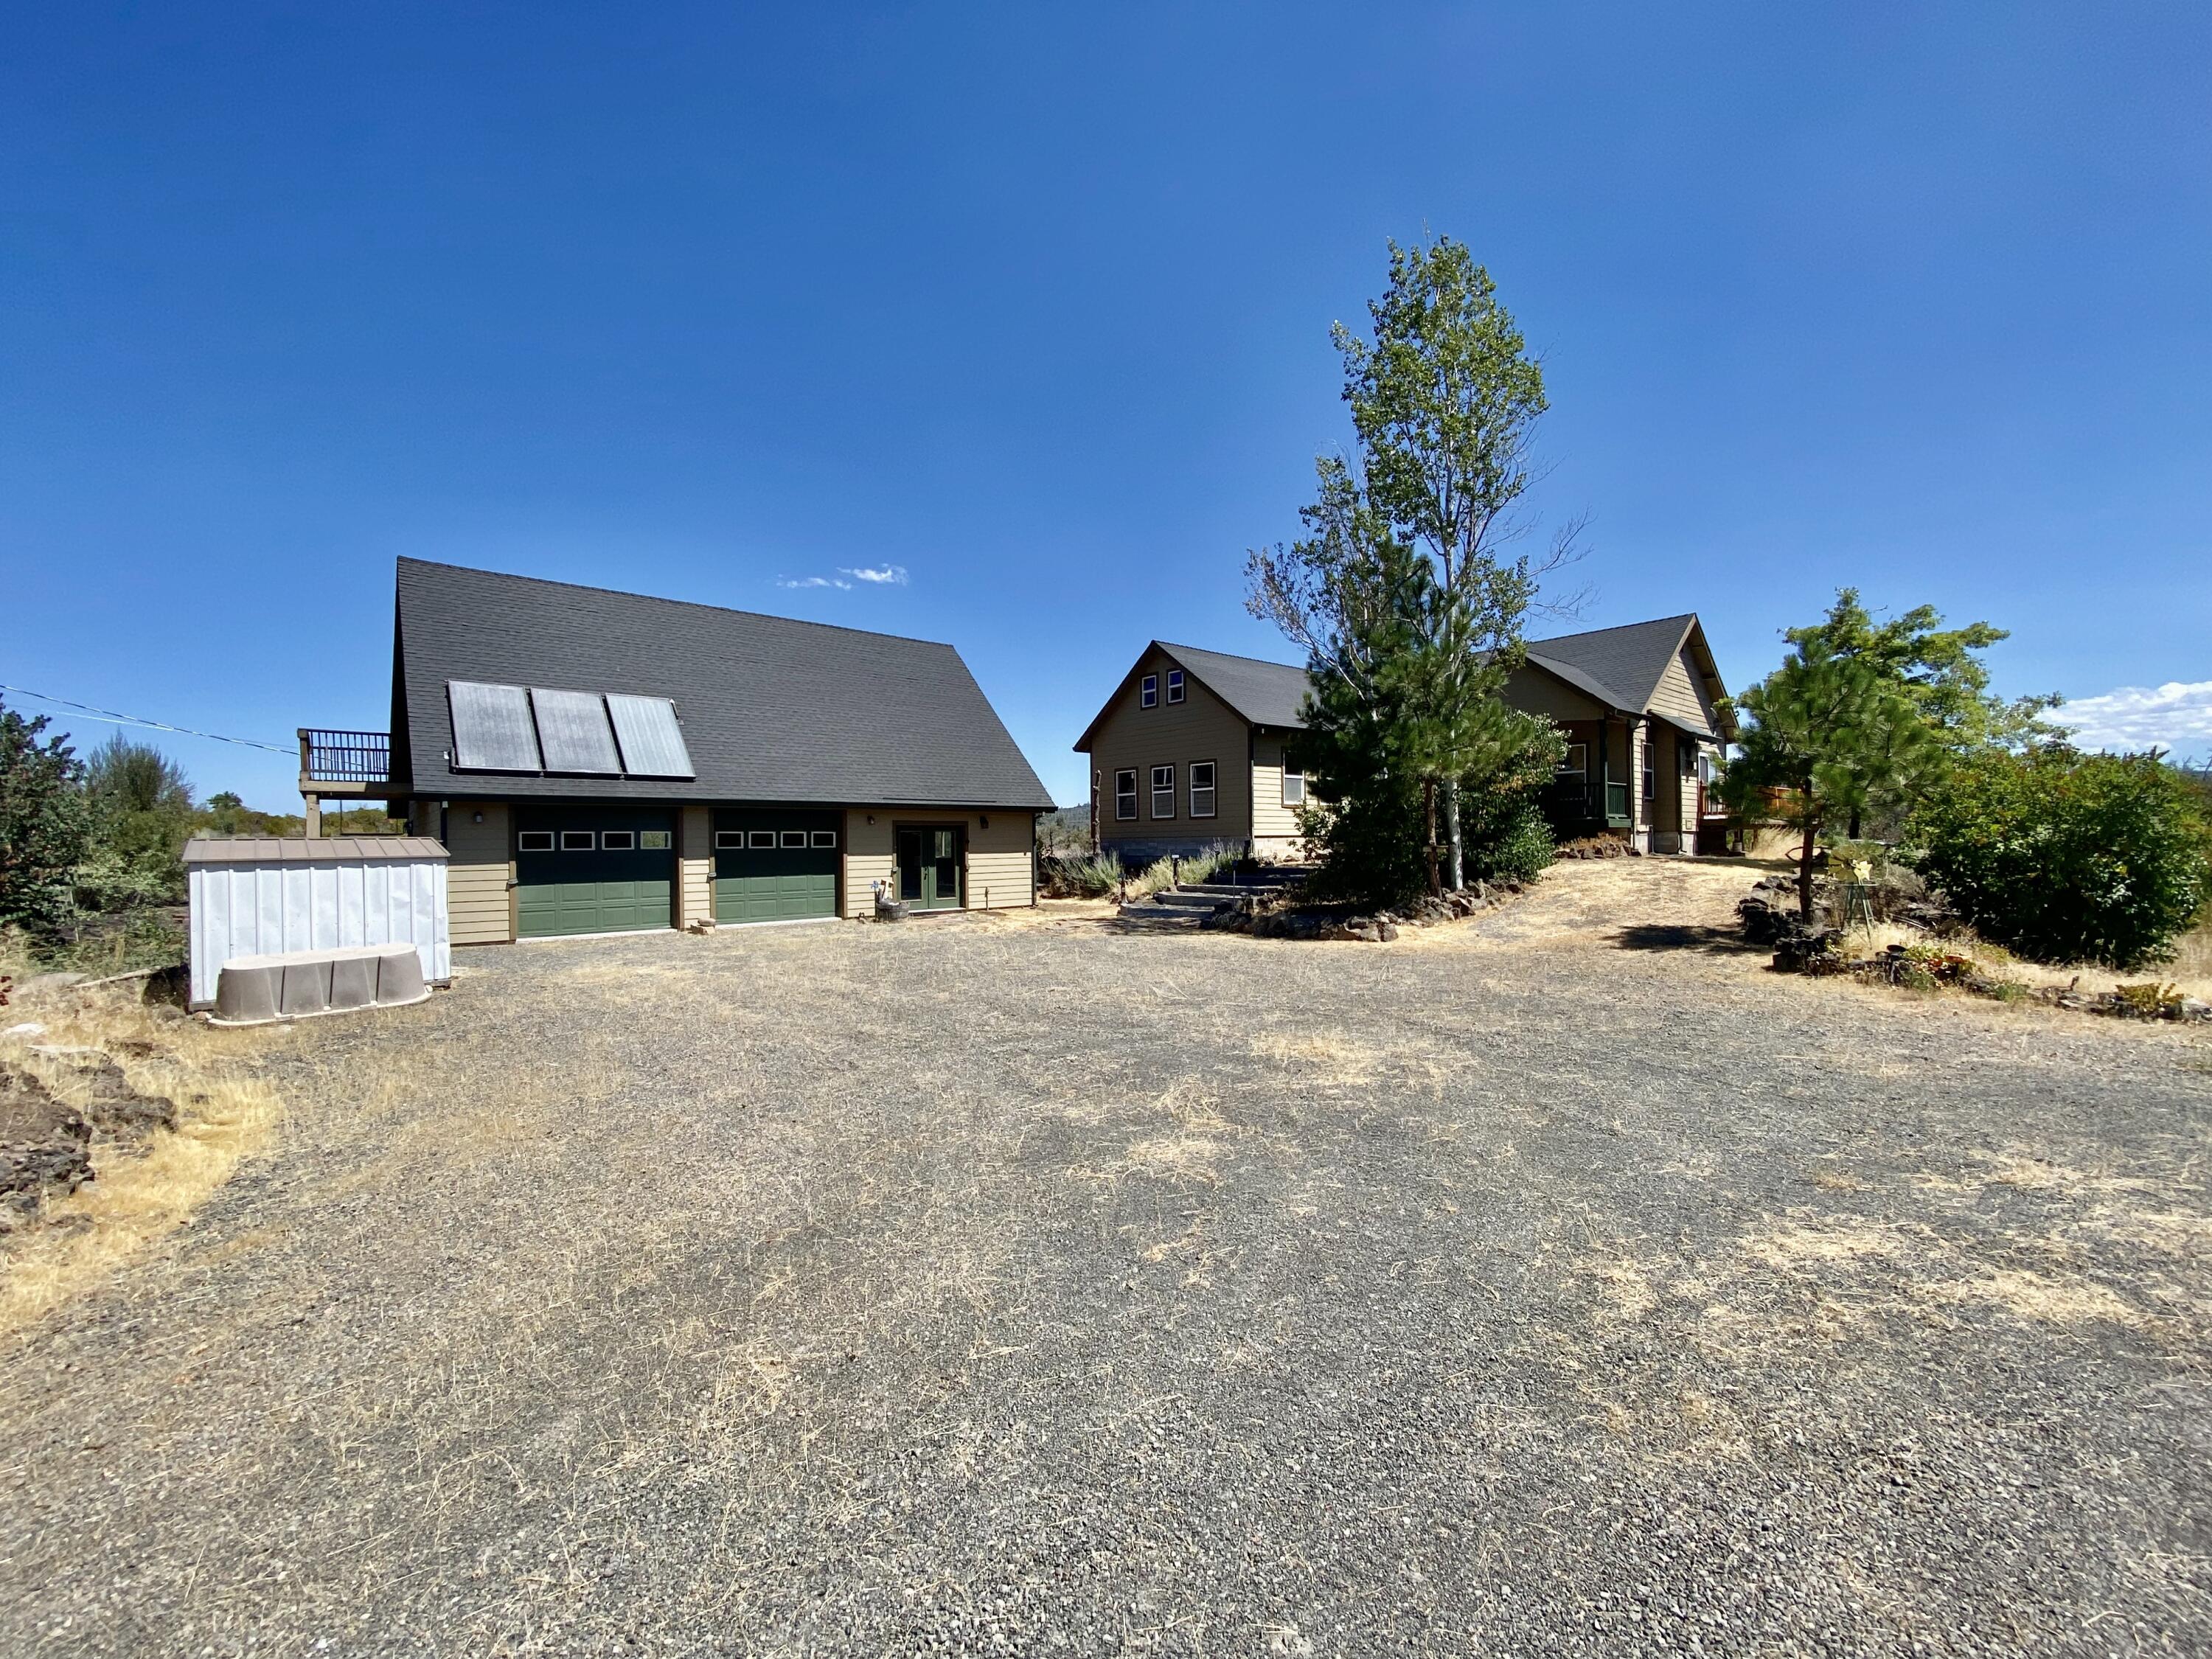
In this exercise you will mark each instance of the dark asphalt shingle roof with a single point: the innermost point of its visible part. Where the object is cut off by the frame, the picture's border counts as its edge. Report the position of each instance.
(1265, 693)
(773, 709)
(1623, 664)
(1620, 667)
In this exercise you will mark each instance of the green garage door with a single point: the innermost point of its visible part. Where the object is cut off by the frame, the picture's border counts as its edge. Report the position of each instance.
(593, 869)
(772, 865)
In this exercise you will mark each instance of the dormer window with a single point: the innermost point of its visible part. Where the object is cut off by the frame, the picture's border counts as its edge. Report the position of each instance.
(1175, 685)
(1148, 692)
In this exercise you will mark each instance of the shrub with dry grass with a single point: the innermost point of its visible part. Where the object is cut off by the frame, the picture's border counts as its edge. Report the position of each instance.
(1215, 860)
(140, 1189)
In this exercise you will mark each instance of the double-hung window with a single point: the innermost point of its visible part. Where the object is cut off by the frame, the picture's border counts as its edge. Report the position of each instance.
(1175, 685)
(1574, 764)
(1202, 789)
(1124, 796)
(1163, 791)
(1294, 781)
(1650, 770)
(1148, 692)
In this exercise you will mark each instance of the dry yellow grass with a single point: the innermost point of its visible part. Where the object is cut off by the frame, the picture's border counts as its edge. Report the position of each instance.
(138, 1193)
(2190, 969)
(1322, 1058)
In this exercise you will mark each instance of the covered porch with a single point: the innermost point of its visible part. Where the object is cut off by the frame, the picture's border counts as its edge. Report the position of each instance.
(1642, 777)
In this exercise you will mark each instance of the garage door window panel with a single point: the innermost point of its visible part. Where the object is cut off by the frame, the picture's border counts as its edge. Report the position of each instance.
(594, 870)
(775, 865)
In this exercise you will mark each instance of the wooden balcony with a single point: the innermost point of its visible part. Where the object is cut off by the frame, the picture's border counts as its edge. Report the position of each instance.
(342, 763)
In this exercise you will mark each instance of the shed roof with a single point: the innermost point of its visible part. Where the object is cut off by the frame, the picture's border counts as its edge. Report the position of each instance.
(298, 849)
(773, 709)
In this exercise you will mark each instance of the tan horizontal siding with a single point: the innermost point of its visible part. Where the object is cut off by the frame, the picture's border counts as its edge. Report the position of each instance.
(1681, 693)
(1270, 820)
(1535, 690)
(1000, 881)
(1200, 728)
(1000, 856)
(695, 867)
(479, 907)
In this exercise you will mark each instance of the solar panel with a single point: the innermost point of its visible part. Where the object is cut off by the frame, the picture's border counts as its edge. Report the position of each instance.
(652, 741)
(571, 726)
(492, 729)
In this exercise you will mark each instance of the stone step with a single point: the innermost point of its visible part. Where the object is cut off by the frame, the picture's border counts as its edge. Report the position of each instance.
(1234, 889)
(1188, 899)
(1144, 910)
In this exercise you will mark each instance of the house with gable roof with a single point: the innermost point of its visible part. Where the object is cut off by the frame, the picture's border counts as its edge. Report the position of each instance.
(1199, 748)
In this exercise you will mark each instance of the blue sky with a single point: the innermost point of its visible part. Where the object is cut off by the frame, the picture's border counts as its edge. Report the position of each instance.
(1031, 306)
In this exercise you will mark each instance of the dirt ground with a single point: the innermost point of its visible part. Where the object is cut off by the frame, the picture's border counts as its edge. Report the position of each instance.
(1559, 1283)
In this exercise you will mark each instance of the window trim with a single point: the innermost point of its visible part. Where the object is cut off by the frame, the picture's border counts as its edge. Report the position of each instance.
(1167, 789)
(1583, 771)
(645, 843)
(1211, 788)
(522, 838)
(1294, 784)
(824, 838)
(1129, 816)
(1148, 691)
(608, 843)
(1175, 685)
(729, 840)
(760, 841)
(792, 840)
(590, 838)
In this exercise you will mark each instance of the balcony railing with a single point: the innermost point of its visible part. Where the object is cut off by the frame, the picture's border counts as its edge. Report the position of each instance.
(357, 762)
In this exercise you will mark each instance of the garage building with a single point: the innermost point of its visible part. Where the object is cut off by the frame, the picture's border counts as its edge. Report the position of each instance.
(597, 762)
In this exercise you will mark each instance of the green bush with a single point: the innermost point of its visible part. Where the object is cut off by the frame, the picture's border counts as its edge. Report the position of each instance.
(2069, 857)
(1507, 837)
(45, 828)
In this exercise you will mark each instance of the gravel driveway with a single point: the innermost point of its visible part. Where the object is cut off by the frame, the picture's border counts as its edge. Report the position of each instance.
(1548, 1286)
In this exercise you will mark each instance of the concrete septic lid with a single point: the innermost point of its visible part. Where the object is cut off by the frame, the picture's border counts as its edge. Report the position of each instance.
(333, 953)
(335, 849)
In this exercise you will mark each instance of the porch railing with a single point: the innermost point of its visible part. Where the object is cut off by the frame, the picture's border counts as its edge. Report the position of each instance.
(359, 758)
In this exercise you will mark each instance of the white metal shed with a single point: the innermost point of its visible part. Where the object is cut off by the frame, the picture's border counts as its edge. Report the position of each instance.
(261, 896)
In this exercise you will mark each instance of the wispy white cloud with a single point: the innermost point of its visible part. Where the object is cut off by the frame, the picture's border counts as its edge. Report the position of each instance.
(812, 582)
(891, 574)
(2176, 716)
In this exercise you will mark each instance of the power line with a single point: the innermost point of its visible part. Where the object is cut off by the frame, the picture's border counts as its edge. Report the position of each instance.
(115, 719)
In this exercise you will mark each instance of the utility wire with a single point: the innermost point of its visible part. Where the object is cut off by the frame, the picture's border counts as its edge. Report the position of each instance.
(115, 719)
